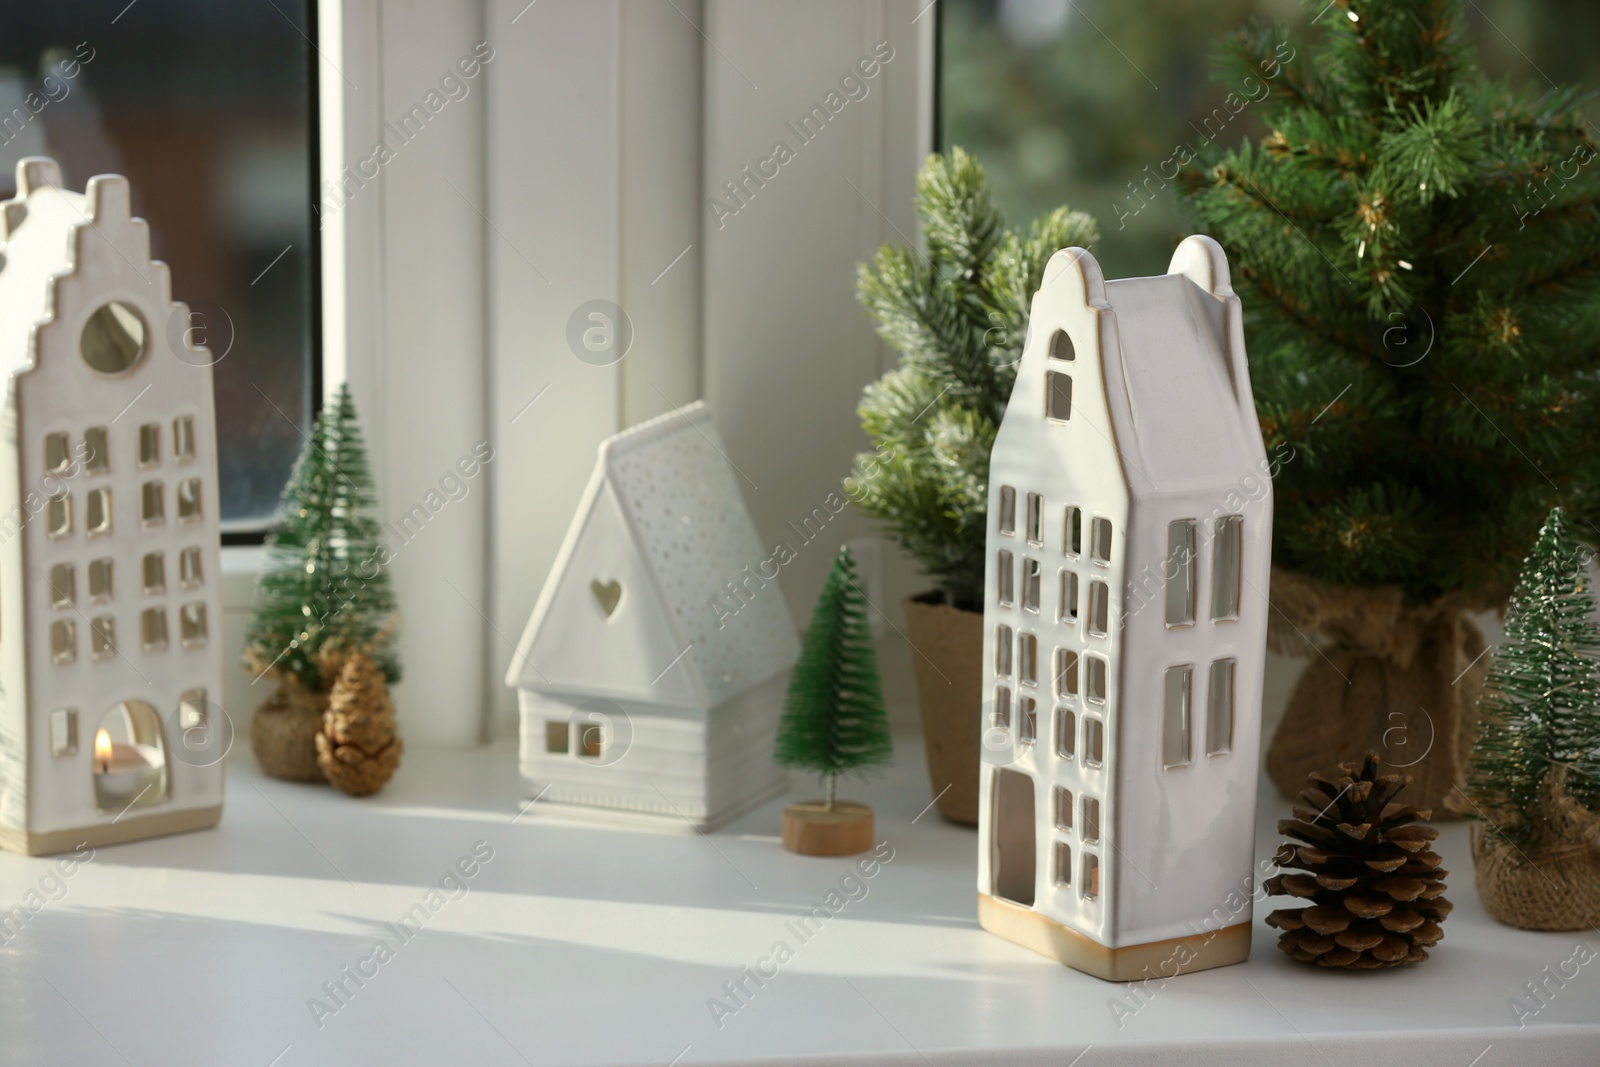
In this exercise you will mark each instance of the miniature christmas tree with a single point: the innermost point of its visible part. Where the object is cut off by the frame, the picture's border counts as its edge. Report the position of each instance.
(1371, 876)
(358, 748)
(325, 585)
(958, 315)
(1535, 776)
(834, 719)
(1415, 247)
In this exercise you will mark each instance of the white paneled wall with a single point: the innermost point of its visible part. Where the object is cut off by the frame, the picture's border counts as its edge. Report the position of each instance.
(581, 167)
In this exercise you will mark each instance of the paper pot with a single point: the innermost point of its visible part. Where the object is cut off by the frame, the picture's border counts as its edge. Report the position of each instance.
(947, 646)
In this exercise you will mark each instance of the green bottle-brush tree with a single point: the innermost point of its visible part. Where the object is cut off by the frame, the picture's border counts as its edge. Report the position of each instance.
(1418, 252)
(1541, 711)
(325, 587)
(834, 719)
(958, 314)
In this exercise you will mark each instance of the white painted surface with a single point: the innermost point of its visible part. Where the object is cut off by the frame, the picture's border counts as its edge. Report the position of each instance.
(580, 945)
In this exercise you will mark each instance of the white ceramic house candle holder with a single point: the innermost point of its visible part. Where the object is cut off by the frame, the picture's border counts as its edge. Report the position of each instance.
(1130, 531)
(651, 676)
(108, 530)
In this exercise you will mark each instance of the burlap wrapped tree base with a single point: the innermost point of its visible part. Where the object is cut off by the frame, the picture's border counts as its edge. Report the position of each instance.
(947, 650)
(1551, 880)
(358, 747)
(283, 732)
(1401, 681)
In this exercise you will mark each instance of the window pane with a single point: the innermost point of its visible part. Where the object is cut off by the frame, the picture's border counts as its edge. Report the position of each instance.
(1225, 570)
(1219, 708)
(1180, 576)
(205, 107)
(1175, 717)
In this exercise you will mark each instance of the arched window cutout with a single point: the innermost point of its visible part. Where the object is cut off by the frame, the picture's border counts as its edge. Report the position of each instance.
(129, 759)
(1061, 346)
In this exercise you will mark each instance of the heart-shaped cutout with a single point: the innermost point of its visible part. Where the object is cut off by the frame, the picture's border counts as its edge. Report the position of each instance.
(607, 595)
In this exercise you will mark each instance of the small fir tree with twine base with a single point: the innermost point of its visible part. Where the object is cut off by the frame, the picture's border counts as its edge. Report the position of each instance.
(1535, 775)
(834, 719)
(324, 594)
(1366, 866)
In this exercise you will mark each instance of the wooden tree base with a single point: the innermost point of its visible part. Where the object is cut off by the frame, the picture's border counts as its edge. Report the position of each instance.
(810, 829)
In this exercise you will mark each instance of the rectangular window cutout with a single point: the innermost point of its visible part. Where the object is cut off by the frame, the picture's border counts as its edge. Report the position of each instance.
(1175, 717)
(1063, 863)
(1091, 876)
(1066, 733)
(1219, 708)
(1002, 650)
(1030, 584)
(1002, 707)
(63, 585)
(1099, 608)
(1061, 347)
(1091, 818)
(555, 736)
(97, 517)
(183, 438)
(1069, 596)
(63, 732)
(1102, 541)
(58, 515)
(100, 576)
(192, 624)
(189, 500)
(97, 449)
(1067, 673)
(1094, 742)
(1225, 568)
(1180, 572)
(1097, 678)
(1006, 591)
(63, 641)
(1058, 396)
(57, 453)
(1063, 808)
(152, 504)
(189, 573)
(1008, 510)
(150, 444)
(591, 739)
(1028, 658)
(192, 713)
(153, 629)
(1027, 719)
(155, 573)
(1035, 519)
(103, 637)
(1072, 532)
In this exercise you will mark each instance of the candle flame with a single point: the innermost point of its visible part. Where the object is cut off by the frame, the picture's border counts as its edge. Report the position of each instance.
(102, 747)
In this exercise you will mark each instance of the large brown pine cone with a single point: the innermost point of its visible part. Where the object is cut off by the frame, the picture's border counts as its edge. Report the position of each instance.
(1374, 884)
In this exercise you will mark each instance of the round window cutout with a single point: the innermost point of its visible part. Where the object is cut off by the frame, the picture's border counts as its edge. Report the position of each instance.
(113, 338)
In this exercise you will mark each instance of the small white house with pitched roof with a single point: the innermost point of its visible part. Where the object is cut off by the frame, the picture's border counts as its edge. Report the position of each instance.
(639, 690)
(1130, 532)
(110, 655)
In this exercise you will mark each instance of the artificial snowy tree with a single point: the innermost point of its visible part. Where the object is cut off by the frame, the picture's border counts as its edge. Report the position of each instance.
(1535, 778)
(834, 719)
(958, 314)
(324, 593)
(1416, 250)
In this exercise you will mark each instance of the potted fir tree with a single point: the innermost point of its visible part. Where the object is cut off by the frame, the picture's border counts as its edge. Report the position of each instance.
(1415, 248)
(958, 314)
(324, 594)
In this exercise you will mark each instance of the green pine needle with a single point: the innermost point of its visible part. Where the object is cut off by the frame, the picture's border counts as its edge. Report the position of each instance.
(326, 582)
(834, 719)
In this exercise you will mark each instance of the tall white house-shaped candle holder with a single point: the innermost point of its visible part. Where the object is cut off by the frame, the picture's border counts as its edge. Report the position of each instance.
(109, 611)
(1130, 529)
(651, 676)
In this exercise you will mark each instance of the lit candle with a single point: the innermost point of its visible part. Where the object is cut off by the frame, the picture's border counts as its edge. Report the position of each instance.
(102, 750)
